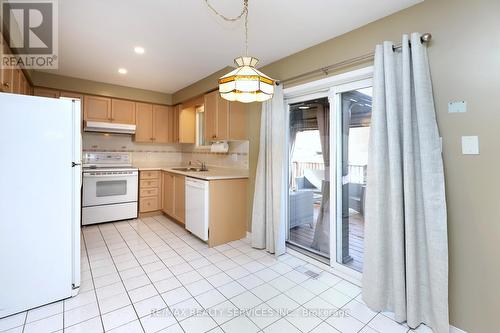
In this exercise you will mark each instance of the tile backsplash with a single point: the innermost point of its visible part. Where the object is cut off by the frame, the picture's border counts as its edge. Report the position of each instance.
(153, 155)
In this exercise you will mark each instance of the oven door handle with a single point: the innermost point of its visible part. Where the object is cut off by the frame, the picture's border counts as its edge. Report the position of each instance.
(87, 175)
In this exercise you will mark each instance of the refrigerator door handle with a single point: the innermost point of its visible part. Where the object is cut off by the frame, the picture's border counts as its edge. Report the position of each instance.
(73, 164)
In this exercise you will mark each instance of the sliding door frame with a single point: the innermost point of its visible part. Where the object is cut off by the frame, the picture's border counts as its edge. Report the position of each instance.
(336, 178)
(330, 87)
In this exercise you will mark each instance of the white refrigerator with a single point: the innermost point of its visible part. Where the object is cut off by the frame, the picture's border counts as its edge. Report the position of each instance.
(40, 194)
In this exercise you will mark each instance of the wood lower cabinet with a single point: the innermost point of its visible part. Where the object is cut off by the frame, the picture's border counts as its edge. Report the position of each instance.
(173, 196)
(149, 191)
(227, 211)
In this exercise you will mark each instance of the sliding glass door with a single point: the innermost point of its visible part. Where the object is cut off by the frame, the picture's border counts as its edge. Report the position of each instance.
(327, 161)
(352, 104)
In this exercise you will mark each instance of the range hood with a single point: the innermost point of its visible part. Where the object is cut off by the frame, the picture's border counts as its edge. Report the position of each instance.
(98, 126)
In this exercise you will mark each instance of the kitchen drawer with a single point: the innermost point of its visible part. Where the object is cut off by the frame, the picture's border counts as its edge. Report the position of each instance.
(148, 192)
(150, 174)
(148, 204)
(148, 183)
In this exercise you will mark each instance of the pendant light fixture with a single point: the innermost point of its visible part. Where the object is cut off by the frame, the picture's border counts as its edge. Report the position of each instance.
(244, 84)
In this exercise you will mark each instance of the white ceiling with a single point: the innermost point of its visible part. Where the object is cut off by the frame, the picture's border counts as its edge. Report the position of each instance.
(185, 42)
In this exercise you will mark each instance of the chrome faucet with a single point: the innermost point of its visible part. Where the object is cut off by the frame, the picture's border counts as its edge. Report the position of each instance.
(203, 165)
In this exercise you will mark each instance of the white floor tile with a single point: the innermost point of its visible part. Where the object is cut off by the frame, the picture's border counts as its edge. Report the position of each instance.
(160, 274)
(237, 272)
(79, 300)
(186, 309)
(246, 301)
(360, 311)
(113, 303)
(118, 317)
(105, 280)
(93, 325)
(82, 313)
(231, 289)
(189, 277)
(141, 293)
(299, 294)
(223, 312)
(49, 324)
(383, 324)
(154, 323)
(348, 288)
(324, 328)
(219, 279)
(44, 311)
(303, 319)
(108, 291)
(250, 281)
(240, 324)
(283, 304)
(198, 324)
(282, 283)
(335, 297)
(167, 284)
(132, 327)
(320, 308)
(136, 282)
(175, 296)
(281, 326)
(263, 315)
(265, 292)
(199, 287)
(175, 328)
(345, 323)
(210, 298)
(149, 305)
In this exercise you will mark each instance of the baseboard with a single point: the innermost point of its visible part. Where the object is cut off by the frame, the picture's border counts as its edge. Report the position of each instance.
(453, 329)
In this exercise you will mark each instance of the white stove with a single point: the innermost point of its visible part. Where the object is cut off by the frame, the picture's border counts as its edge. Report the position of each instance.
(110, 187)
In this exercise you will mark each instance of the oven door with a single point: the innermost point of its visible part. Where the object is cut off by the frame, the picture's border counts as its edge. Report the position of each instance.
(104, 188)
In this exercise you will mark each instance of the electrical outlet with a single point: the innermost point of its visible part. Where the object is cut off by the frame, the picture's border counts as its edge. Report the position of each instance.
(470, 145)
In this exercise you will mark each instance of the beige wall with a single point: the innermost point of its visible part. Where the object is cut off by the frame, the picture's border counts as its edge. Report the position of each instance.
(67, 83)
(465, 63)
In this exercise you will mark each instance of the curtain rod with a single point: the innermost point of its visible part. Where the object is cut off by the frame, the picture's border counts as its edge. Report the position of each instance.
(425, 38)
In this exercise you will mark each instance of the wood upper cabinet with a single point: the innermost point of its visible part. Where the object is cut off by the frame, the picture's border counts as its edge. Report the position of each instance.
(45, 92)
(224, 120)
(162, 124)
(168, 193)
(144, 122)
(237, 121)
(122, 111)
(176, 110)
(187, 124)
(97, 108)
(211, 102)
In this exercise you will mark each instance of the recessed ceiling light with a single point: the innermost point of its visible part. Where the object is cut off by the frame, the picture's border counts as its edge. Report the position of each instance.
(122, 70)
(139, 50)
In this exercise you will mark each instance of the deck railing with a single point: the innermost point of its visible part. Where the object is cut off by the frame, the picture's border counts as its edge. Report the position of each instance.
(357, 173)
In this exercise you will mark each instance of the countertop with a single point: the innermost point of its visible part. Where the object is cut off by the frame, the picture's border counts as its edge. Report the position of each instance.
(213, 173)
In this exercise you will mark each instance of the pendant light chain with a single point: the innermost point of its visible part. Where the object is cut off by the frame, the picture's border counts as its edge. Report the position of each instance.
(244, 12)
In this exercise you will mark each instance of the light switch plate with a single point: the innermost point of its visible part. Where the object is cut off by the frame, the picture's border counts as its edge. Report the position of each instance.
(470, 145)
(457, 107)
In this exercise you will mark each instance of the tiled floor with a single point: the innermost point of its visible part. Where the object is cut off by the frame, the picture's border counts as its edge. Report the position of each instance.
(150, 275)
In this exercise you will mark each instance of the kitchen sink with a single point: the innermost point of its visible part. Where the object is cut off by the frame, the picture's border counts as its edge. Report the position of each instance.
(189, 169)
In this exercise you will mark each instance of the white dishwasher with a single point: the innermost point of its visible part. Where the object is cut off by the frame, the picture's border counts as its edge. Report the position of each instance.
(197, 207)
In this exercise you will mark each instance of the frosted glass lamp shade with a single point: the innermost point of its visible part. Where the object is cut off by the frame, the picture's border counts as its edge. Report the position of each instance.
(246, 84)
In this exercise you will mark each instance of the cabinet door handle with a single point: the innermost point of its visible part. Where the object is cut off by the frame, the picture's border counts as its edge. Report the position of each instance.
(6, 84)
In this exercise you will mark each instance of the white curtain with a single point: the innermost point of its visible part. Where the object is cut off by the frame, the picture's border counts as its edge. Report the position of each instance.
(268, 216)
(406, 247)
(321, 240)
